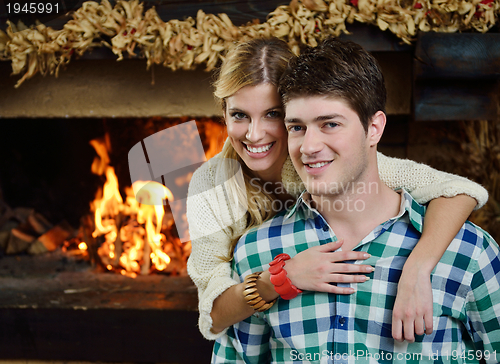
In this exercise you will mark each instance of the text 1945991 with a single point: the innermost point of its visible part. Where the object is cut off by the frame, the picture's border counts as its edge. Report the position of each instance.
(35, 8)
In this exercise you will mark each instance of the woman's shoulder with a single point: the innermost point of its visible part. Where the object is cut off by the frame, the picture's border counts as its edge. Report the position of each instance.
(204, 176)
(290, 179)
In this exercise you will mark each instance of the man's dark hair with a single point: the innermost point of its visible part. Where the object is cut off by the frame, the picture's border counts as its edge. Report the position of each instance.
(339, 69)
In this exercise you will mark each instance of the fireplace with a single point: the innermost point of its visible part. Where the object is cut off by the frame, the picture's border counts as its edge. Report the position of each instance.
(72, 304)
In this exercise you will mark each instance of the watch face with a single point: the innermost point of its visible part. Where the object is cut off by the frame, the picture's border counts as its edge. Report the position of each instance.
(32, 12)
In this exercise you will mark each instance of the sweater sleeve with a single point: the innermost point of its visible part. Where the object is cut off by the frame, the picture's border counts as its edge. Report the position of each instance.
(425, 183)
(211, 235)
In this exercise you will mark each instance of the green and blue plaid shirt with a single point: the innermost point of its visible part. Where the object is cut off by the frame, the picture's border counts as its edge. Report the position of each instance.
(326, 328)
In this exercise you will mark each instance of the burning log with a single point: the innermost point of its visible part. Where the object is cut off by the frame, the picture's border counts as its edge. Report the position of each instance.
(89, 240)
(52, 239)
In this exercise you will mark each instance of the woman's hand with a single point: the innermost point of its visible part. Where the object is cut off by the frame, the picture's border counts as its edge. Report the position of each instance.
(315, 268)
(412, 313)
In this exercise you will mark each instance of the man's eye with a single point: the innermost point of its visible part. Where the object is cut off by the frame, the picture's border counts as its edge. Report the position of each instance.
(294, 128)
(331, 125)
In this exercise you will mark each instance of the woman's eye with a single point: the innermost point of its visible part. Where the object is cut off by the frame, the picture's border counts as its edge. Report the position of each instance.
(274, 114)
(238, 115)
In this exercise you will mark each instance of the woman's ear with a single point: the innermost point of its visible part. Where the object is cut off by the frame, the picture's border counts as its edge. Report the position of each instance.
(376, 127)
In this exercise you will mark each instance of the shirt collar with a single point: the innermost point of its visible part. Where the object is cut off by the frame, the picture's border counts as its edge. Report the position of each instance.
(301, 201)
(415, 211)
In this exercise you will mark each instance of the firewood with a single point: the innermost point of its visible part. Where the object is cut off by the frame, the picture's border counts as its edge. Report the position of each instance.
(56, 236)
(18, 242)
(22, 213)
(38, 223)
(4, 239)
(87, 224)
(119, 220)
(36, 248)
(5, 213)
(146, 261)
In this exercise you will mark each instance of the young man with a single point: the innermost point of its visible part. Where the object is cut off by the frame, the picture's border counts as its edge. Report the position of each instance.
(334, 97)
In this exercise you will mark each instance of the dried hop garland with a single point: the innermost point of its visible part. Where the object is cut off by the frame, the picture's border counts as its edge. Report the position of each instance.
(184, 44)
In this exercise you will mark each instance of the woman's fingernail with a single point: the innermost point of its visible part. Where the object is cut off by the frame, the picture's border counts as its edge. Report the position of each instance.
(367, 278)
(370, 269)
(366, 255)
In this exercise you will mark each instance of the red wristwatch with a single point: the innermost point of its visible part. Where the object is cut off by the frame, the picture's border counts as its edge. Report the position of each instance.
(282, 284)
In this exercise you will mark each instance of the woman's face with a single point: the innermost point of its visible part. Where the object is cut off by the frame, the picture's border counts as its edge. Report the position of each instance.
(254, 119)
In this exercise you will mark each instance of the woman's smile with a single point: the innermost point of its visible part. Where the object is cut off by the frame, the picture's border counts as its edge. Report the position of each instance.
(254, 119)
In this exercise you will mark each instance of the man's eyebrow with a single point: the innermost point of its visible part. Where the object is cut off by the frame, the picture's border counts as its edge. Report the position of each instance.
(329, 117)
(316, 119)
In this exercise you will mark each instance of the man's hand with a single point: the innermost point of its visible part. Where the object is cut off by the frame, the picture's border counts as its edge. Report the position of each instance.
(412, 313)
(316, 268)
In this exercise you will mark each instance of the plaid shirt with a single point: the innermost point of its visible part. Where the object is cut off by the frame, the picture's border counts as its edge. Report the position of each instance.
(326, 328)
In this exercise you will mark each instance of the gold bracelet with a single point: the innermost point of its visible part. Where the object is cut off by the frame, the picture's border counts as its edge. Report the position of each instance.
(252, 297)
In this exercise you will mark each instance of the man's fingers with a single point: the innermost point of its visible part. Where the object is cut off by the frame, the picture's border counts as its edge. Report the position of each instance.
(428, 320)
(419, 326)
(409, 331)
(397, 330)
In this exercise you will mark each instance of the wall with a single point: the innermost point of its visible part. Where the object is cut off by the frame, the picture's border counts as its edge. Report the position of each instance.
(107, 88)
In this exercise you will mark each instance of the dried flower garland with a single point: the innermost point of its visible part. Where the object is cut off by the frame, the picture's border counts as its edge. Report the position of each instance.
(183, 44)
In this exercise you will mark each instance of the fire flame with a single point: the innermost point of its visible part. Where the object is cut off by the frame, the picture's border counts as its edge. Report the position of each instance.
(135, 236)
(135, 225)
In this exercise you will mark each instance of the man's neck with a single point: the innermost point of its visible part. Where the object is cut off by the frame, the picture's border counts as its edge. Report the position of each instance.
(356, 211)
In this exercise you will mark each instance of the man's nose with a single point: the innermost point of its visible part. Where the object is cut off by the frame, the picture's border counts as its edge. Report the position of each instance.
(311, 142)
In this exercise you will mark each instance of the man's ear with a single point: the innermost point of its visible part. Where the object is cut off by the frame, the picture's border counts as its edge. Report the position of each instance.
(376, 128)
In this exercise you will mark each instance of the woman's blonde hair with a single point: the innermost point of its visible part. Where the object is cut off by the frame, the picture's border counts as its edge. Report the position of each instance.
(251, 63)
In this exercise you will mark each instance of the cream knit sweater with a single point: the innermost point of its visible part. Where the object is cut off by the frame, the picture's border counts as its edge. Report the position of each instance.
(212, 229)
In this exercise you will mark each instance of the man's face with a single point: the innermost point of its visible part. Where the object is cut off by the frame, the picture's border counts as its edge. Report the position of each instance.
(327, 144)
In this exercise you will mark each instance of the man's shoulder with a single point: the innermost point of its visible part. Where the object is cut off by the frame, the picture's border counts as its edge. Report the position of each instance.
(471, 249)
(473, 234)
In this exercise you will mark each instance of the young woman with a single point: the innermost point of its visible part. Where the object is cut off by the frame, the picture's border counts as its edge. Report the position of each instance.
(257, 140)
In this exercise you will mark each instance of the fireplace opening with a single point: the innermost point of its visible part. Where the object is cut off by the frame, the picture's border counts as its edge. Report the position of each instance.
(47, 188)
(60, 172)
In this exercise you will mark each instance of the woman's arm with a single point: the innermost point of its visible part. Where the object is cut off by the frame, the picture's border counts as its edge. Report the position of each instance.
(413, 307)
(313, 269)
(425, 183)
(211, 239)
(412, 313)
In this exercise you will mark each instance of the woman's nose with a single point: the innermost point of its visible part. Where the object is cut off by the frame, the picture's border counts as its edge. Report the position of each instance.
(255, 131)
